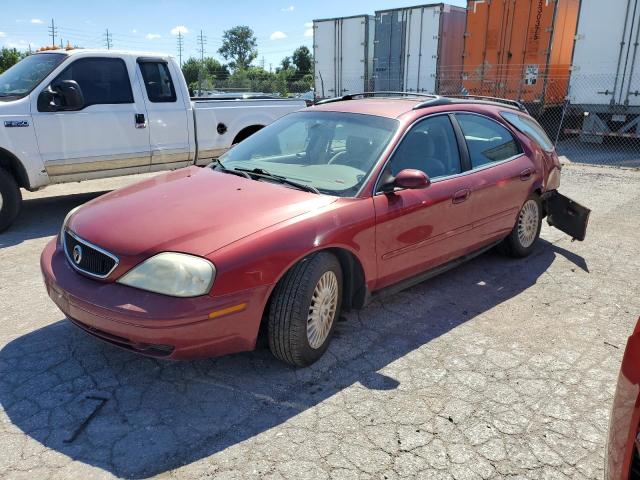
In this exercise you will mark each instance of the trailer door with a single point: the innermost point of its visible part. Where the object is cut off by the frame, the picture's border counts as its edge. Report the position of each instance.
(324, 54)
(605, 66)
(421, 49)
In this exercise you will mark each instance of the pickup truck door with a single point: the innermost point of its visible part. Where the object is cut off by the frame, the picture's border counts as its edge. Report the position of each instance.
(107, 134)
(168, 109)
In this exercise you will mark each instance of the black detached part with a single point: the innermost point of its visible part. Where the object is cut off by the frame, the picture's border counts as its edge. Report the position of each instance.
(567, 215)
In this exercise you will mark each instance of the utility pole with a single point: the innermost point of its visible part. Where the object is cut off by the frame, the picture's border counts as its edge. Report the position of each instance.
(201, 41)
(61, 45)
(262, 62)
(108, 40)
(180, 46)
(270, 67)
(53, 30)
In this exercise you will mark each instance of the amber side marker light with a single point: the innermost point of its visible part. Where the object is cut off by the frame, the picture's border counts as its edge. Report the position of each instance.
(228, 310)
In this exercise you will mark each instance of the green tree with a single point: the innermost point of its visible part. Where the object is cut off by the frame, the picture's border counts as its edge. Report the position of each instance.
(285, 64)
(190, 70)
(216, 69)
(303, 60)
(9, 57)
(239, 46)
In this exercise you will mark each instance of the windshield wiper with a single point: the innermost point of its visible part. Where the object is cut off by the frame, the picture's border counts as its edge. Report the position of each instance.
(261, 172)
(217, 164)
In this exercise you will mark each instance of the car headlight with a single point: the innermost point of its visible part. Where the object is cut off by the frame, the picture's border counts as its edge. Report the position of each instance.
(64, 223)
(174, 274)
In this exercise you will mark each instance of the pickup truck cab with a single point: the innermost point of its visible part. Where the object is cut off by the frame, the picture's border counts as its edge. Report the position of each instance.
(67, 116)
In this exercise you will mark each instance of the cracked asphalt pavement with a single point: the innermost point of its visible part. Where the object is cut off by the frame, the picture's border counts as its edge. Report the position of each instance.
(498, 369)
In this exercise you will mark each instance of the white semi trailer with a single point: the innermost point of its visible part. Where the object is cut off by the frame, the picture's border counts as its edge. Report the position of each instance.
(343, 55)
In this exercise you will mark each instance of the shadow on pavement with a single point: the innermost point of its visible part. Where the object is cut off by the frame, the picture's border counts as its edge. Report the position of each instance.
(42, 217)
(160, 415)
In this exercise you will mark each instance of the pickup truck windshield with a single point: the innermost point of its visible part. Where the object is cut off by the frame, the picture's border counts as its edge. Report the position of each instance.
(25, 75)
(330, 151)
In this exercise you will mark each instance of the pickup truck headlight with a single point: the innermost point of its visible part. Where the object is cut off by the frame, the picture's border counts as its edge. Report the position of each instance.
(174, 274)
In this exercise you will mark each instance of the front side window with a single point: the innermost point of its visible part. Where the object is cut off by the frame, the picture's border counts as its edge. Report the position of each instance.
(331, 151)
(157, 82)
(530, 128)
(430, 146)
(102, 80)
(488, 141)
(25, 75)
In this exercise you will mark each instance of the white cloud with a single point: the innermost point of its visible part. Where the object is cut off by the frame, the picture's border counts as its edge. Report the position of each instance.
(2, 34)
(290, 8)
(179, 29)
(36, 20)
(278, 35)
(152, 36)
(134, 31)
(308, 32)
(308, 25)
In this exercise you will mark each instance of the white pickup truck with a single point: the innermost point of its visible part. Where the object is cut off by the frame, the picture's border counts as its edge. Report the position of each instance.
(67, 116)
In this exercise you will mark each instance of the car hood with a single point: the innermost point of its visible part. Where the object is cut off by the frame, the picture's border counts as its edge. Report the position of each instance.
(193, 210)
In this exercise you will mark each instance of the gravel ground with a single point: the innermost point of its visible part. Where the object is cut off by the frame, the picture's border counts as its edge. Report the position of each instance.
(498, 369)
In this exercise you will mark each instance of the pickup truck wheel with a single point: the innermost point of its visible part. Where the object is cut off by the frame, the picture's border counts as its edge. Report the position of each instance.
(522, 239)
(304, 308)
(10, 199)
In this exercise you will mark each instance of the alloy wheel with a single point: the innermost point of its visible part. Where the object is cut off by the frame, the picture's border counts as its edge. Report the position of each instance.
(322, 310)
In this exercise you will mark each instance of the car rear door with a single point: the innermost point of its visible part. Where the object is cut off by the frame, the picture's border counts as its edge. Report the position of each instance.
(501, 177)
(101, 136)
(168, 114)
(417, 230)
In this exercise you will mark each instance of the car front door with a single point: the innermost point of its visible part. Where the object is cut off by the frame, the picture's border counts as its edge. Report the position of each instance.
(104, 134)
(501, 177)
(419, 229)
(168, 112)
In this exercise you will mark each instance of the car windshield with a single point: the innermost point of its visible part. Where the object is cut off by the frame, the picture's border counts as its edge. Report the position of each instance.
(332, 152)
(23, 77)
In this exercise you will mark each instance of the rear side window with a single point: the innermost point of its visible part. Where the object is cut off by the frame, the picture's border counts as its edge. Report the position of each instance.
(102, 80)
(158, 82)
(487, 140)
(530, 128)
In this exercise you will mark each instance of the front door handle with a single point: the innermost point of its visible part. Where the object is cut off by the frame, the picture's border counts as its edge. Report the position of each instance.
(525, 174)
(141, 122)
(461, 195)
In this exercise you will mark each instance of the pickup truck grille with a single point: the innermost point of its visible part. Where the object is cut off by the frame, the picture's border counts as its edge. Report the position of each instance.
(87, 258)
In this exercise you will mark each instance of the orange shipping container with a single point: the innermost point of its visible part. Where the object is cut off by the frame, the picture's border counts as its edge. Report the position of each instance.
(520, 49)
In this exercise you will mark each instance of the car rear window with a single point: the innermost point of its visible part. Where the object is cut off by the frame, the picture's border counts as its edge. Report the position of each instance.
(530, 128)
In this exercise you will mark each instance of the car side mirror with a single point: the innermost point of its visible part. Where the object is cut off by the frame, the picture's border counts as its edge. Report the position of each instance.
(72, 97)
(408, 179)
(49, 100)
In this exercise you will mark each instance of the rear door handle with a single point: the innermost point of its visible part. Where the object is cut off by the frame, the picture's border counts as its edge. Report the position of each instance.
(525, 174)
(461, 195)
(141, 122)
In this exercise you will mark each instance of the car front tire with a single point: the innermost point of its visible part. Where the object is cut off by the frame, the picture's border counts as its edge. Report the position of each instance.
(10, 199)
(522, 239)
(304, 310)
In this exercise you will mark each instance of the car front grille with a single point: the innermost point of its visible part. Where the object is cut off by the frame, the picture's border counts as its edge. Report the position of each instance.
(88, 258)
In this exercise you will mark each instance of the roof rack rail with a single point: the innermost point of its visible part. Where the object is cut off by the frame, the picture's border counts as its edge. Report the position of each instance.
(504, 101)
(351, 96)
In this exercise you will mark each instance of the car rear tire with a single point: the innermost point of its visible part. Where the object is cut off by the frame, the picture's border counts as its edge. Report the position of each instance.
(522, 239)
(304, 310)
(10, 199)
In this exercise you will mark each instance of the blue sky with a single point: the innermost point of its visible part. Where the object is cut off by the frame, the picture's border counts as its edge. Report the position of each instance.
(280, 26)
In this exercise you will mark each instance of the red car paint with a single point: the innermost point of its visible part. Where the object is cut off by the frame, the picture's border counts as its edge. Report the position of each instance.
(625, 414)
(253, 232)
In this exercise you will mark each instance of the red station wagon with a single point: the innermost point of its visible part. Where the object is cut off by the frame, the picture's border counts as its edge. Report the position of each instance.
(321, 211)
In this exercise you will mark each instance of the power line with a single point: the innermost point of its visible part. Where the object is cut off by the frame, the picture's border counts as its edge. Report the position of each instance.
(108, 40)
